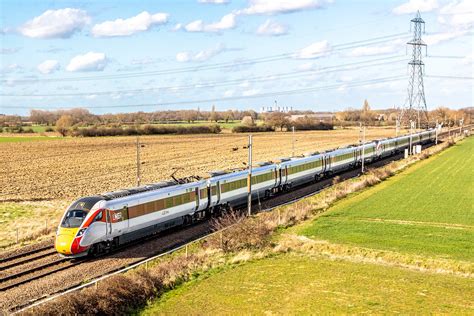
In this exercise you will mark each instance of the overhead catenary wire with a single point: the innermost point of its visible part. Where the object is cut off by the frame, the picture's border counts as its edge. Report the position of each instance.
(242, 97)
(449, 77)
(256, 79)
(257, 60)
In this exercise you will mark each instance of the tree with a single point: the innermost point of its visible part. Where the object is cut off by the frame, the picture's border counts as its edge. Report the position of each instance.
(63, 124)
(367, 115)
(229, 116)
(277, 119)
(190, 115)
(214, 115)
(248, 121)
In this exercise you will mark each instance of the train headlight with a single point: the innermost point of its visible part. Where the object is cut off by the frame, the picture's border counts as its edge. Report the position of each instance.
(81, 232)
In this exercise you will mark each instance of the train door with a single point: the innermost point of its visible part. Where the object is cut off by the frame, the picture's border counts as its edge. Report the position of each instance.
(108, 230)
(196, 196)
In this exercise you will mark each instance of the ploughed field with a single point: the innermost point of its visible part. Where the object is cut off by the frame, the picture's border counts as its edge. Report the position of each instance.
(40, 178)
(69, 168)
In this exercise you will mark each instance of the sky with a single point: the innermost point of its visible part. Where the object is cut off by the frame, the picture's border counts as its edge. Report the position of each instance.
(320, 55)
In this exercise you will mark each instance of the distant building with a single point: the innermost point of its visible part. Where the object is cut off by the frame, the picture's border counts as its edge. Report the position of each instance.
(276, 108)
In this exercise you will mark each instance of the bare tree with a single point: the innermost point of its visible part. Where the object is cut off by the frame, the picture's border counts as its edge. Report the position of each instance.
(63, 124)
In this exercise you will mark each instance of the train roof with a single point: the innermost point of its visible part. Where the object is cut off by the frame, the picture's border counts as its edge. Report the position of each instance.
(141, 189)
(85, 203)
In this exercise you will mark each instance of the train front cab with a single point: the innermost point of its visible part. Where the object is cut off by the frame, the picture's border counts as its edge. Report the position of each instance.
(70, 230)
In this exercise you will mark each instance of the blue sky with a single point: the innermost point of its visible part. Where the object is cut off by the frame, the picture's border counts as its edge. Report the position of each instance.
(122, 56)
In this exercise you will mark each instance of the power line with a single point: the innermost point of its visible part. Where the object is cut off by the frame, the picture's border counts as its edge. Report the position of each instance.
(270, 77)
(446, 56)
(349, 45)
(269, 94)
(449, 77)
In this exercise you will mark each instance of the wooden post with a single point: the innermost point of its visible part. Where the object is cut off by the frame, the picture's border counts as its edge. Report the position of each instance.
(17, 235)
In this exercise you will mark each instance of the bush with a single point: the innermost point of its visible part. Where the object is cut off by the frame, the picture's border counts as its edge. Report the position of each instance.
(49, 129)
(146, 130)
(310, 124)
(15, 129)
(252, 129)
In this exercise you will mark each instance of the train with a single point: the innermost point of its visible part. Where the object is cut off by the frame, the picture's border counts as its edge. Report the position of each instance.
(97, 224)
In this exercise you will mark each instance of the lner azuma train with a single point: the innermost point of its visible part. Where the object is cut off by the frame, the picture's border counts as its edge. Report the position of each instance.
(96, 224)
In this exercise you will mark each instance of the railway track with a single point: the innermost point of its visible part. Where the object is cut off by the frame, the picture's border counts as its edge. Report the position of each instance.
(31, 265)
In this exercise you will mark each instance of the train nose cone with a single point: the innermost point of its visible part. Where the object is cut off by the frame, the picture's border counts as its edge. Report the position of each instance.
(64, 240)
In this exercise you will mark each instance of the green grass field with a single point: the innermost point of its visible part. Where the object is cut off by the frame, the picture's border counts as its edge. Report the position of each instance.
(293, 284)
(424, 213)
(20, 139)
(427, 209)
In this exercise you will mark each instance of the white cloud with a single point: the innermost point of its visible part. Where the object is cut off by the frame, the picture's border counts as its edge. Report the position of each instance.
(282, 6)
(183, 57)
(250, 92)
(468, 60)
(388, 48)
(88, 62)
(200, 56)
(226, 22)
(272, 28)
(62, 23)
(48, 66)
(177, 27)
(125, 27)
(214, 1)
(306, 66)
(437, 38)
(457, 7)
(8, 51)
(10, 68)
(315, 50)
(229, 93)
(412, 6)
(457, 14)
(143, 61)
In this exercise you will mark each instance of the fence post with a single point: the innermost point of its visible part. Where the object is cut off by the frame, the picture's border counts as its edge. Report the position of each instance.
(279, 217)
(222, 241)
(17, 235)
(186, 250)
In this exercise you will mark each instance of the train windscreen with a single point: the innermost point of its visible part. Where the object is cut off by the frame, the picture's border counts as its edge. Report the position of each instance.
(74, 218)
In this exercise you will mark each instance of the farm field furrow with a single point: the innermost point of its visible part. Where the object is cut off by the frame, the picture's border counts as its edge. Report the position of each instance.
(84, 166)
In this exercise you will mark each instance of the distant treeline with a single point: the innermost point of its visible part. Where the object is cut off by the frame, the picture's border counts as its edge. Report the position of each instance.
(145, 130)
